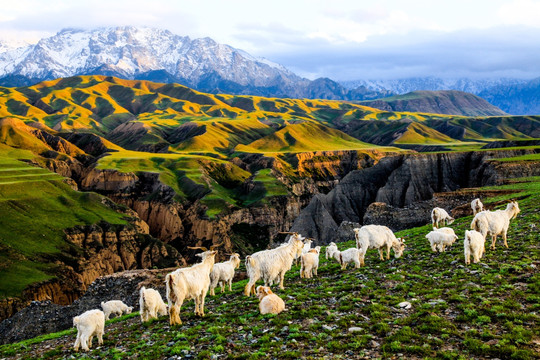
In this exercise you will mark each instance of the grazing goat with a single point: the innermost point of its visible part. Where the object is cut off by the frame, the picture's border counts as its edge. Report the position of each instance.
(495, 222)
(348, 256)
(223, 273)
(269, 303)
(151, 304)
(189, 283)
(115, 307)
(378, 237)
(439, 239)
(477, 206)
(270, 265)
(474, 244)
(310, 263)
(330, 249)
(89, 324)
(439, 215)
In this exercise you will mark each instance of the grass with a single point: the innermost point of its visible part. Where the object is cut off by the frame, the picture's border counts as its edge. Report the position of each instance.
(485, 310)
(36, 205)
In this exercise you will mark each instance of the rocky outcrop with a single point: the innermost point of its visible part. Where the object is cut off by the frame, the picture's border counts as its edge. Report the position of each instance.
(48, 316)
(403, 182)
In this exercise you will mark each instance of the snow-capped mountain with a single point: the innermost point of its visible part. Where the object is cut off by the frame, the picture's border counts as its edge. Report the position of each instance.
(131, 51)
(403, 86)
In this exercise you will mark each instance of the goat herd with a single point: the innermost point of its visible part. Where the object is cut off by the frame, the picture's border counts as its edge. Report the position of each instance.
(271, 265)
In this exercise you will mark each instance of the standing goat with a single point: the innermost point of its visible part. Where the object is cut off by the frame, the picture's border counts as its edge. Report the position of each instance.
(189, 283)
(330, 249)
(269, 265)
(439, 215)
(115, 307)
(378, 237)
(89, 324)
(305, 249)
(310, 263)
(476, 206)
(439, 239)
(223, 273)
(495, 222)
(474, 244)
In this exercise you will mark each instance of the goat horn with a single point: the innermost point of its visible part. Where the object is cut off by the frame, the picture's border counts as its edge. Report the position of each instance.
(198, 247)
(212, 247)
(285, 232)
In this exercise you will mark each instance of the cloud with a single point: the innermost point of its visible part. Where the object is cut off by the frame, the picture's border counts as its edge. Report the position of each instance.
(480, 53)
(521, 12)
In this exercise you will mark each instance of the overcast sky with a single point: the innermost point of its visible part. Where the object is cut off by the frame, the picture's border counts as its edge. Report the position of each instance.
(339, 39)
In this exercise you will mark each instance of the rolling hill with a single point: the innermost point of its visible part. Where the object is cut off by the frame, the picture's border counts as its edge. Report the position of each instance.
(449, 102)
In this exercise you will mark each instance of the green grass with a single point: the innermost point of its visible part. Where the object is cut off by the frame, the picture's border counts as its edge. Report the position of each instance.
(35, 206)
(486, 310)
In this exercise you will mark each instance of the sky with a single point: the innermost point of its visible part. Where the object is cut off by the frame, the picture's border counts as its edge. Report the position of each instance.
(339, 39)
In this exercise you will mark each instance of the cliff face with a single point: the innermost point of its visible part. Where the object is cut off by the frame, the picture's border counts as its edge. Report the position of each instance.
(95, 251)
(403, 182)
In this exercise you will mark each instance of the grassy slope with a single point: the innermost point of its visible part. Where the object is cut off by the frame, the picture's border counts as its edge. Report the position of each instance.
(35, 206)
(484, 310)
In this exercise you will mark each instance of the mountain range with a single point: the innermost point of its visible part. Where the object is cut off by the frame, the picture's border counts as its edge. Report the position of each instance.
(205, 65)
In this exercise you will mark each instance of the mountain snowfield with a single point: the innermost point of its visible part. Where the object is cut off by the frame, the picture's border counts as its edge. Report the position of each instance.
(131, 51)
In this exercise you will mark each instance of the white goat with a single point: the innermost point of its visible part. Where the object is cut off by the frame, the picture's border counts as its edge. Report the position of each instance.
(89, 324)
(189, 283)
(269, 303)
(474, 243)
(223, 273)
(378, 237)
(151, 304)
(439, 239)
(495, 222)
(270, 265)
(115, 307)
(477, 206)
(439, 215)
(330, 249)
(305, 249)
(310, 263)
(348, 256)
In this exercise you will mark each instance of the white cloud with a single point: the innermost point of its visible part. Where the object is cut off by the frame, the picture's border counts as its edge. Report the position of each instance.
(521, 12)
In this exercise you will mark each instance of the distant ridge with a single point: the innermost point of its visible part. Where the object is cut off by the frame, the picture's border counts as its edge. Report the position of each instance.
(450, 102)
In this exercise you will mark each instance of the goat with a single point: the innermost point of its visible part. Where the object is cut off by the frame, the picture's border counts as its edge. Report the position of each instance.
(189, 283)
(271, 265)
(115, 307)
(269, 303)
(440, 238)
(89, 324)
(223, 273)
(349, 256)
(330, 249)
(151, 304)
(440, 215)
(477, 206)
(495, 222)
(378, 237)
(474, 243)
(310, 263)
(305, 249)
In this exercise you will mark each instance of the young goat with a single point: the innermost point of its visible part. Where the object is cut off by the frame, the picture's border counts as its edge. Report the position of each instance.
(271, 265)
(474, 244)
(89, 324)
(439, 215)
(310, 263)
(348, 256)
(269, 303)
(151, 304)
(223, 273)
(115, 307)
(439, 239)
(330, 249)
(495, 222)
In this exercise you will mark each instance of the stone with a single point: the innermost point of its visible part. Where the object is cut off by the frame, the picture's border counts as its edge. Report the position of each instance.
(355, 329)
(405, 305)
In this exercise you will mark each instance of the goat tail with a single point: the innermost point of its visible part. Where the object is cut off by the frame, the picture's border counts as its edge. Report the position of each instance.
(102, 303)
(171, 294)
(474, 224)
